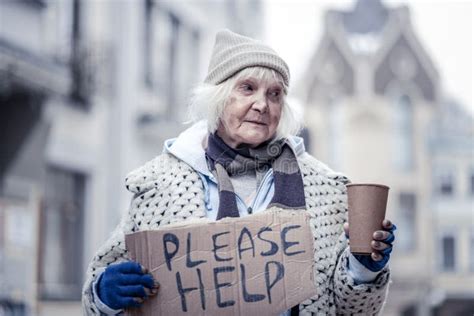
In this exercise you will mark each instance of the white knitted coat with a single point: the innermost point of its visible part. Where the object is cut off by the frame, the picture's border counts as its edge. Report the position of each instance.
(168, 190)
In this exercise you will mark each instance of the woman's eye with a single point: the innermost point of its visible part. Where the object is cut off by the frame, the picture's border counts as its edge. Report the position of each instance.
(275, 94)
(247, 87)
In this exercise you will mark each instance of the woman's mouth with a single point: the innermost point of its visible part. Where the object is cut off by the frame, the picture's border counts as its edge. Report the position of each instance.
(257, 122)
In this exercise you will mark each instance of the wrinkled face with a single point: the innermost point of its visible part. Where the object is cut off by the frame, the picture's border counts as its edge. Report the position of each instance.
(253, 112)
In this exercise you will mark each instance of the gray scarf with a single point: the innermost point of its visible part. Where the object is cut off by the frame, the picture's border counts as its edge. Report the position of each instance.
(225, 162)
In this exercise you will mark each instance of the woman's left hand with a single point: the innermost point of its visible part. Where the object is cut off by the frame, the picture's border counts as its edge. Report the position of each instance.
(382, 245)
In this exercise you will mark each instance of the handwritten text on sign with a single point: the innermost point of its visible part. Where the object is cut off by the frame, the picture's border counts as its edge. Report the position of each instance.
(256, 264)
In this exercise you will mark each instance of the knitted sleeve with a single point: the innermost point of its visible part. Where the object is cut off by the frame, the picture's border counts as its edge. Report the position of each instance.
(166, 191)
(140, 182)
(113, 251)
(326, 197)
(362, 299)
(350, 298)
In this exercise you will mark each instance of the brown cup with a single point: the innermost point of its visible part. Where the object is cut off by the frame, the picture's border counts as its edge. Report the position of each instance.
(367, 205)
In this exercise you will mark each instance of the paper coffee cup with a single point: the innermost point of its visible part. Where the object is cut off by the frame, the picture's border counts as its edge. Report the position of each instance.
(367, 204)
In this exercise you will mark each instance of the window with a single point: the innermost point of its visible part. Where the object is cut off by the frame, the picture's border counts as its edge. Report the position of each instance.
(162, 29)
(148, 44)
(409, 310)
(38, 3)
(471, 252)
(170, 56)
(444, 182)
(406, 221)
(61, 235)
(2, 234)
(172, 71)
(403, 134)
(59, 20)
(186, 60)
(81, 60)
(448, 259)
(471, 183)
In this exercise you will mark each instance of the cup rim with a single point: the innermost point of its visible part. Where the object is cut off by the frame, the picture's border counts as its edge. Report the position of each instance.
(367, 184)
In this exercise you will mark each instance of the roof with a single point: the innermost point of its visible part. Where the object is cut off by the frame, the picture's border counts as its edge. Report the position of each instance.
(367, 16)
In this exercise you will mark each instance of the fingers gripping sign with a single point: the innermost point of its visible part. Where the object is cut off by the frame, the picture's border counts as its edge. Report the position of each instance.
(126, 284)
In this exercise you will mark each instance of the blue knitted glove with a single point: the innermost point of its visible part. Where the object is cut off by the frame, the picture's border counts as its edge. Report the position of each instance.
(125, 285)
(381, 245)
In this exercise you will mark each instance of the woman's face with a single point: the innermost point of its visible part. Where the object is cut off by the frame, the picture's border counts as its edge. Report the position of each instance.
(253, 112)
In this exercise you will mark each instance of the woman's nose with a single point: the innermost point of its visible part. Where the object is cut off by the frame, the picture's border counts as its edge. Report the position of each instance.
(260, 104)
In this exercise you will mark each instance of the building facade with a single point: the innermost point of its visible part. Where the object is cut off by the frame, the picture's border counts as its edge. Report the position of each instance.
(89, 90)
(372, 98)
(451, 147)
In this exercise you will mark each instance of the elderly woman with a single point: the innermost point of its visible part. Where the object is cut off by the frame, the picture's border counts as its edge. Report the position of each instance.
(240, 158)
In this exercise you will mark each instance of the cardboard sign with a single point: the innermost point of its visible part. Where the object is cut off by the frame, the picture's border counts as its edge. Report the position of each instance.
(260, 264)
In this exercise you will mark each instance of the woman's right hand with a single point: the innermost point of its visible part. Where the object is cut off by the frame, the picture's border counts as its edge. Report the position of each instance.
(125, 284)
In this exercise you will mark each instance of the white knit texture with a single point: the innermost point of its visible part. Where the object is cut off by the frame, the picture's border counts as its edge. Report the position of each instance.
(168, 190)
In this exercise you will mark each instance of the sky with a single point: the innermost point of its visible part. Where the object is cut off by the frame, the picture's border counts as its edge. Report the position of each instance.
(444, 27)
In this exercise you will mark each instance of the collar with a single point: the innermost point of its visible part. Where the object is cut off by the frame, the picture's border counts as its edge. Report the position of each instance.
(189, 148)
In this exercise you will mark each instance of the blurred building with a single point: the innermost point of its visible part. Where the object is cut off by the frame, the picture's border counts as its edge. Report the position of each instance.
(89, 90)
(375, 111)
(451, 147)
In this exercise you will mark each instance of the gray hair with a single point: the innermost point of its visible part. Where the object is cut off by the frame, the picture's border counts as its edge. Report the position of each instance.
(208, 102)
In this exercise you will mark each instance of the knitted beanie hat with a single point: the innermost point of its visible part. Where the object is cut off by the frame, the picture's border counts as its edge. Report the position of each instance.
(234, 52)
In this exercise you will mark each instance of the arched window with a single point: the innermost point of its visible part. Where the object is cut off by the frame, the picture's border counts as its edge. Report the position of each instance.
(406, 221)
(403, 156)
